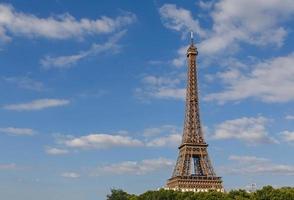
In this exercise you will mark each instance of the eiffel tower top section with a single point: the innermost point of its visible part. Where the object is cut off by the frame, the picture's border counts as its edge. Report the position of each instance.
(192, 50)
(192, 134)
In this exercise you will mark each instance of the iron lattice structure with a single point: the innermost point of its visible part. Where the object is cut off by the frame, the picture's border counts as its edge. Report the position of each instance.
(193, 170)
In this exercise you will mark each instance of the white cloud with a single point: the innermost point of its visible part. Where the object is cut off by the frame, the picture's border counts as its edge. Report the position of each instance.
(170, 140)
(161, 87)
(25, 83)
(14, 23)
(257, 23)
(256, 165)
(101, 141)
(159, 81)
(164, 129)
(179, 19)
(248, 159)
(137, 167)
(7, 166)
(272, 169)
(70, 175)
(288, 136)
(269, 81)
(18, 131)
(152, 131)
(248, 129)
(162, 136)
(241, 21)
(233, 22)
(37, 104)
(62, 62)
(65, 62)
(56, 151)
(289, 117)
(170, 93)
(181, 58)
(206, 5)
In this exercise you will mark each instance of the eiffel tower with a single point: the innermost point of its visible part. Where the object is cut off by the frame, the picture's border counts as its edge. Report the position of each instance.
(193, 170)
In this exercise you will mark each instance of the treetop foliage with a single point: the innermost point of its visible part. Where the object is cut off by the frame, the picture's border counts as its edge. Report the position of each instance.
(266, 193)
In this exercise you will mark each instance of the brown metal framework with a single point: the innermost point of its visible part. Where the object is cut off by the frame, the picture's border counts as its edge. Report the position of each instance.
(193, 170)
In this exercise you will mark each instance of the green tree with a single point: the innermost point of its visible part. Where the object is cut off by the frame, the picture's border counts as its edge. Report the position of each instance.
(239, 195)
(266, 193)
(118, 195)
(269, 193)
(158, 195)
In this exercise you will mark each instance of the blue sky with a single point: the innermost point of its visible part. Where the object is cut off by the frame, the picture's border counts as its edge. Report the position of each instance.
(93, 93)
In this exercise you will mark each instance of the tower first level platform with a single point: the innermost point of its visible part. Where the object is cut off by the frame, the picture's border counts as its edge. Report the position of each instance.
(195, 183)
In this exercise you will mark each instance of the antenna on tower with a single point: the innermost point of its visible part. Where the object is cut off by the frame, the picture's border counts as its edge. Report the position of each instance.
(192, 37)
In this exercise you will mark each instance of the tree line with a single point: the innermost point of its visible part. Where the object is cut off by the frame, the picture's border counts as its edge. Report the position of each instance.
(266, 193)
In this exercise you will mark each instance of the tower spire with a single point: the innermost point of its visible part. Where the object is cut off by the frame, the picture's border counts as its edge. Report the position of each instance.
(193, 170)
(192, 37)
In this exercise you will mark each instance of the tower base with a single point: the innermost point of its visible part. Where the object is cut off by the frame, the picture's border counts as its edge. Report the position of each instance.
(195, 184)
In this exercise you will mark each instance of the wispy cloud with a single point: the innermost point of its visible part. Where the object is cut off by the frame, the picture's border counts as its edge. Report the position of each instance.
(73, 175)
(248, 129)
(270, 81)
(288, 136)
(15, 23)
(136, 167)
(206, 5)
(7, 166)
(179, 19)
(256, 165)
(289, 117)
(65, 62)
(18, 131)
(56, 151)
(232, 25)
(267, 80)
(161, 130)
(231, 28)
(39, 104)
(161, 136)
(101, 141)
(25, 82)
(248, 159)
(161, 87)
(180, 59)
(170, 140)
